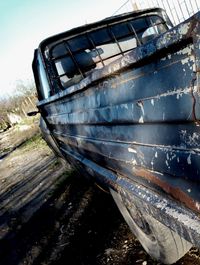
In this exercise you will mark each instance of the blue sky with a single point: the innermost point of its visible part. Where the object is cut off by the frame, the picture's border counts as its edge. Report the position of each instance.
(24, 23)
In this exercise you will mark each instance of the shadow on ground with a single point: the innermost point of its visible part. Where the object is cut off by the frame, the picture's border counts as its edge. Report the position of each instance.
(51, 215)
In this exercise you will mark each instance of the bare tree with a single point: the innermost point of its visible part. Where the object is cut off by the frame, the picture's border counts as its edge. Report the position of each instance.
(20, 102)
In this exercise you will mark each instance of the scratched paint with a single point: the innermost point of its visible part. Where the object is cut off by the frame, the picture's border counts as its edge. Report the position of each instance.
(136, 120)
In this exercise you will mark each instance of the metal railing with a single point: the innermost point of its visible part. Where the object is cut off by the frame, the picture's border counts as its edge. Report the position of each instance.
(177, 10)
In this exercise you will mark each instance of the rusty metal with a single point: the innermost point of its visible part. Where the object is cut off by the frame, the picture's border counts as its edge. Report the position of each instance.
(175, 192)
(194, 100)
(133, 124)
(162, 208)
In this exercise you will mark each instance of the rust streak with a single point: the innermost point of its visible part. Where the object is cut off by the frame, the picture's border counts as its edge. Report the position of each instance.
(194, 101)
(173, 191)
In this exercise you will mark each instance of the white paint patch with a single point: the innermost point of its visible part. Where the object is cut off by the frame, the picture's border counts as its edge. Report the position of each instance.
(163, 116)
(174, 92)
(178, 95)
(131, 150)
(125, 106)
(197, 205)
(187, 50)
(141, 120)
(152, 102)
(156, 154)
(167, 164)
(189, 160)
(190, 139)
(141, 106)
(185, 61)
(134, 162)
(183, 29)
(174, 156)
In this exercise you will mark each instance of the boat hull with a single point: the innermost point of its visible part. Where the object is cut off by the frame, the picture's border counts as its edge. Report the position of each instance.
(134, 126)
(139, 123)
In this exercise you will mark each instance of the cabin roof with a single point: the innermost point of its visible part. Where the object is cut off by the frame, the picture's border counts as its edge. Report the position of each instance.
(108, 20)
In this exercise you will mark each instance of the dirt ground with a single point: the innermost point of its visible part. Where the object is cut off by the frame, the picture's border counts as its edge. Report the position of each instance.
(50, 215)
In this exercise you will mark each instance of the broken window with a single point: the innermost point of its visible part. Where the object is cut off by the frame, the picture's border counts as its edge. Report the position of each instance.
(75, 57)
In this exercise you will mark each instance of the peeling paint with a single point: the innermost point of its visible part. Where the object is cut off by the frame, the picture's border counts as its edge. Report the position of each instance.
(140, 104)
(141, 120)
(192, 139)
(109, 109)
(183, 29)
(185, 61)
(134, 162)
(194, 225)
(131, 150)
(189, 159)
(197, 205)
(174, 92)
(125, 106)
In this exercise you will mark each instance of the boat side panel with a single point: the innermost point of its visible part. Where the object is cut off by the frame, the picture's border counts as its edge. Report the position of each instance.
(163, 208)
(142, 119)
(149, 83)
(185, 136)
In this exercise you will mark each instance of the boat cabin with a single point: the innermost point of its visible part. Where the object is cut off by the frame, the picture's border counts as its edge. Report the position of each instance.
(71, 56)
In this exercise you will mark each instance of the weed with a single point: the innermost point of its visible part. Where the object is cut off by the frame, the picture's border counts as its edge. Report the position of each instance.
(34, 142)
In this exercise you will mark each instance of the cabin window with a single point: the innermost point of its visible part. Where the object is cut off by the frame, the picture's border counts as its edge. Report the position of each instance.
(75, 57)
(156, 28)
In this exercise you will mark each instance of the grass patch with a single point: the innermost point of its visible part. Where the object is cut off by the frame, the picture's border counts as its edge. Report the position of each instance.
(55, 164)
(63, 182)
(34, 142)
(64, 177)
(6, 150)
(30, 120)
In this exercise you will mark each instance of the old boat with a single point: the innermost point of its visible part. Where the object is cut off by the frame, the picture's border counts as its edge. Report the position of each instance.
(119, 99)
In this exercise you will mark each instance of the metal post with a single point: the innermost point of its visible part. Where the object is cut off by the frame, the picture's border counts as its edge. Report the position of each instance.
(116, 41)
(94, 46)
(134, 32)
(72, 56)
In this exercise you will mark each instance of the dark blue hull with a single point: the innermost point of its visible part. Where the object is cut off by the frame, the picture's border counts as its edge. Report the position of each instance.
(138, 118)
(139, 123)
